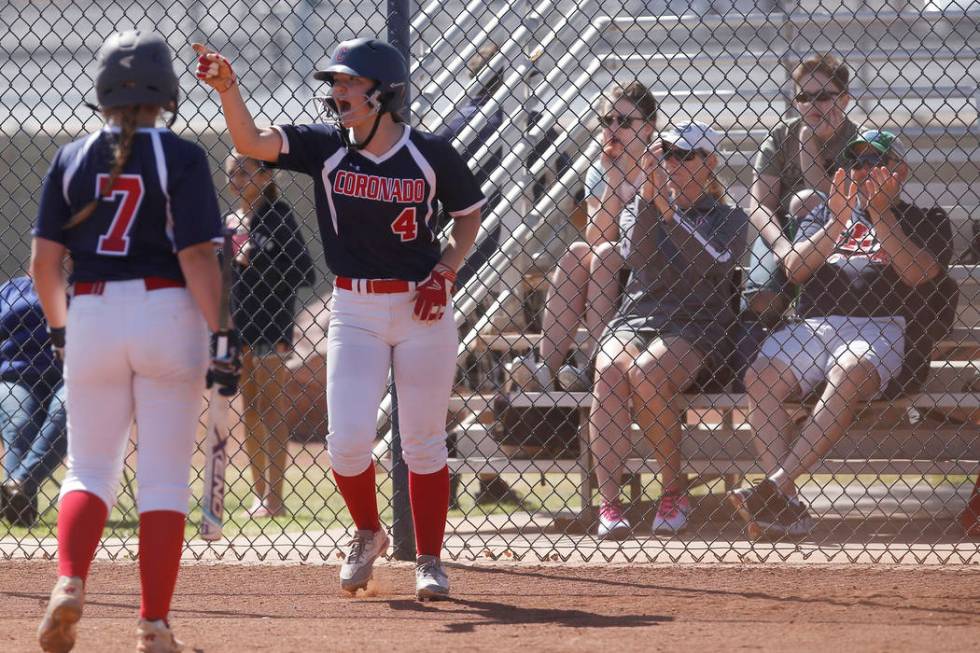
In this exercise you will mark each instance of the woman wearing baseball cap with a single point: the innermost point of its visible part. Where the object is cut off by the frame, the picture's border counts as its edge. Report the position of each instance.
(683, 244)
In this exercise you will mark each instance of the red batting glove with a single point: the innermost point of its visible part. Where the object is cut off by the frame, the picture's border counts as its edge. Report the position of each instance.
(434, 294)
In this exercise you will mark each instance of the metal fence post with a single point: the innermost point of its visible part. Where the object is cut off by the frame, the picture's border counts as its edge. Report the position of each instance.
(403, 530)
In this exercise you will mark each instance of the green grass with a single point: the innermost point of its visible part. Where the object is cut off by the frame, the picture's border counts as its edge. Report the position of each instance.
(313, 503)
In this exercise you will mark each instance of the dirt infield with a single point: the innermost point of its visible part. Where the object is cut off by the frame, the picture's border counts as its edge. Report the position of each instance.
(497, 607)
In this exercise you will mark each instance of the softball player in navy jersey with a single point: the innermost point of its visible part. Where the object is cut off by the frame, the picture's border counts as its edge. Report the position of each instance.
(376, 185)
(135, 208)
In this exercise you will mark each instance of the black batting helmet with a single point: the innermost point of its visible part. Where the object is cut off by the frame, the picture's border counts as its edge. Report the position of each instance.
(135, 67)
(374, 59)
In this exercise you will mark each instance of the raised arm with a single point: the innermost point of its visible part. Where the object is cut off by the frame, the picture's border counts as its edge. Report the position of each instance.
(813, 247)
(215, 70)
(913, 264)
(762, 213)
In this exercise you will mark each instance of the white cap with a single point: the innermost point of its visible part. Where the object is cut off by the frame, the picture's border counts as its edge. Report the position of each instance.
(693, 136)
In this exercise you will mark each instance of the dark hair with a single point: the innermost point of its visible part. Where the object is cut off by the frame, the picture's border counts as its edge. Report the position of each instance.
(827, 65)
(271, 191)
(122, 148)
(635, 92)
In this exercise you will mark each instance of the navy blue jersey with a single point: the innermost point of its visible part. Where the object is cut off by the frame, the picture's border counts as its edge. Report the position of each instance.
(25, 349)
(163, 201)
(378, 214)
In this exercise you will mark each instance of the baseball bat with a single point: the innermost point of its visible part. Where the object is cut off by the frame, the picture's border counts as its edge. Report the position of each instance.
(219, 429)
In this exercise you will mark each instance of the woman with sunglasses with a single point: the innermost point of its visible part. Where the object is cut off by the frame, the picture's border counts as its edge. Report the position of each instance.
(585, 284)
(684, 243)
(798, 158)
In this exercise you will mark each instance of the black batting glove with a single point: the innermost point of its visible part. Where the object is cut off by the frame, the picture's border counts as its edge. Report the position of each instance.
(57, 337)
(226, 362)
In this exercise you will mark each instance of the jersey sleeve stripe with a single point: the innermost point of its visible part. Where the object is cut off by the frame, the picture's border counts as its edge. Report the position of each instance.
(430, 178)
(328, 166)
(161, 162)
(468, 209)
(77, 161)
(284, 140)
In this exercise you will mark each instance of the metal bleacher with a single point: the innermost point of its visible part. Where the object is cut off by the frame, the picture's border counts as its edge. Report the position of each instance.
(915, 72)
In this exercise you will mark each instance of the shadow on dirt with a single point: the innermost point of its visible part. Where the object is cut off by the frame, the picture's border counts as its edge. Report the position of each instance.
(490, 613)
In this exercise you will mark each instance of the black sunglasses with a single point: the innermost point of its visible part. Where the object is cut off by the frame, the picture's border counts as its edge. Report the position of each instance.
(618, 119)
(809, 98)
(867, 161)
(679, 154)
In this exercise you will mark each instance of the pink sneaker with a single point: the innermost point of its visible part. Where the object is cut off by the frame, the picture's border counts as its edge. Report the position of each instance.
(613, 524)
(671, 517)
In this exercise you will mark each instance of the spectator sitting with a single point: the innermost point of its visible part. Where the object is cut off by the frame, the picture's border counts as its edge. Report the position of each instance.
(870, 266)
(683, 246)
(32, 410)
(796, 160)
(272, 263)
(585, 285)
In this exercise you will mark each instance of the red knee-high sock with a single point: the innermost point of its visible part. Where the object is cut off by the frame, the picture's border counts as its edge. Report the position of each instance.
(429, 494)
(81, 518)
(361, 496)
(161, 539)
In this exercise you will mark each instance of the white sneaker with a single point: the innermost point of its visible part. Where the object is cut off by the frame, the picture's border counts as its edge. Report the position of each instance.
(573, 379)
(156, 637)
(525, 374)
(57, 631)
(431, 581)
(613, 524)
(672, 512)
(362, 551)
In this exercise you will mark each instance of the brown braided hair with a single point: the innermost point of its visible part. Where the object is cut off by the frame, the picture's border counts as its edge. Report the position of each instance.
(128, 120)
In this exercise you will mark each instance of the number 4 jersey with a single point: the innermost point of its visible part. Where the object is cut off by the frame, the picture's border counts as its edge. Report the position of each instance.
(378, 214)
(163, 201)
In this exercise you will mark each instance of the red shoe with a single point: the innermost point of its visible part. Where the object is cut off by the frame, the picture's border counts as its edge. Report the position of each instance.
(970, 517)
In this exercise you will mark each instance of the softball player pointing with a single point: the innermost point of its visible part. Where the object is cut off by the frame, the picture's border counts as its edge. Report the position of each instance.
(135, 208)
(376, 184)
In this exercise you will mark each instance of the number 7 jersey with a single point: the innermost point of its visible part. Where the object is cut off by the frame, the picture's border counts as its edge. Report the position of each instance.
(378, 214)
(162, 202)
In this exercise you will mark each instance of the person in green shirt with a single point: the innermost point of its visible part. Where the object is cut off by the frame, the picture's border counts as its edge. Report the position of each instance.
(792, 173)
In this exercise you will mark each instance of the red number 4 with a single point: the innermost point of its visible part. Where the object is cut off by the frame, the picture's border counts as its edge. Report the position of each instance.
(405, 225)
(128, 188)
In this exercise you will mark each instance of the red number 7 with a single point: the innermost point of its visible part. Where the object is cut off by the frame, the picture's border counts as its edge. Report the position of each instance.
(129, 188)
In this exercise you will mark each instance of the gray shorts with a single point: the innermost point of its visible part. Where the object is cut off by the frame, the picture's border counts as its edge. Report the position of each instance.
(812, 346)
(708, 338)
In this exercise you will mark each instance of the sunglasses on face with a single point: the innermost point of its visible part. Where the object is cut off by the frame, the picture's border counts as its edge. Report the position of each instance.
(811, 98)
(679, 154)
(618, 119)
(867, 161)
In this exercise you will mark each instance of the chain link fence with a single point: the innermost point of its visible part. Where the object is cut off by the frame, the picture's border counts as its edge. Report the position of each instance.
(636, 359)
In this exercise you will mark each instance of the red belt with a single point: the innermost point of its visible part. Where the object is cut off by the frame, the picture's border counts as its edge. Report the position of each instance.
(151, 283)
(374, 286)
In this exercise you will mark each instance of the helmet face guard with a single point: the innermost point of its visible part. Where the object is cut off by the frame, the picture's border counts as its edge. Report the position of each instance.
(373, 59)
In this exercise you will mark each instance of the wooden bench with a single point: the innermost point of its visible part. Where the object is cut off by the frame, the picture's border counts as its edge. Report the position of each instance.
(936, 431)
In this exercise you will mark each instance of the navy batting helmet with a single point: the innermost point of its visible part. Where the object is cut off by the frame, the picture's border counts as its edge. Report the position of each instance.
(374, 59)
(135, 67)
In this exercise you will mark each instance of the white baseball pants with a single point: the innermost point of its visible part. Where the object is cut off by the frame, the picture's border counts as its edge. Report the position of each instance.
(369, 335)
(133, 352)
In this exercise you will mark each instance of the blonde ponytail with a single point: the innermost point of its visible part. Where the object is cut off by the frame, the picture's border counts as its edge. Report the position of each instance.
(128, 117)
